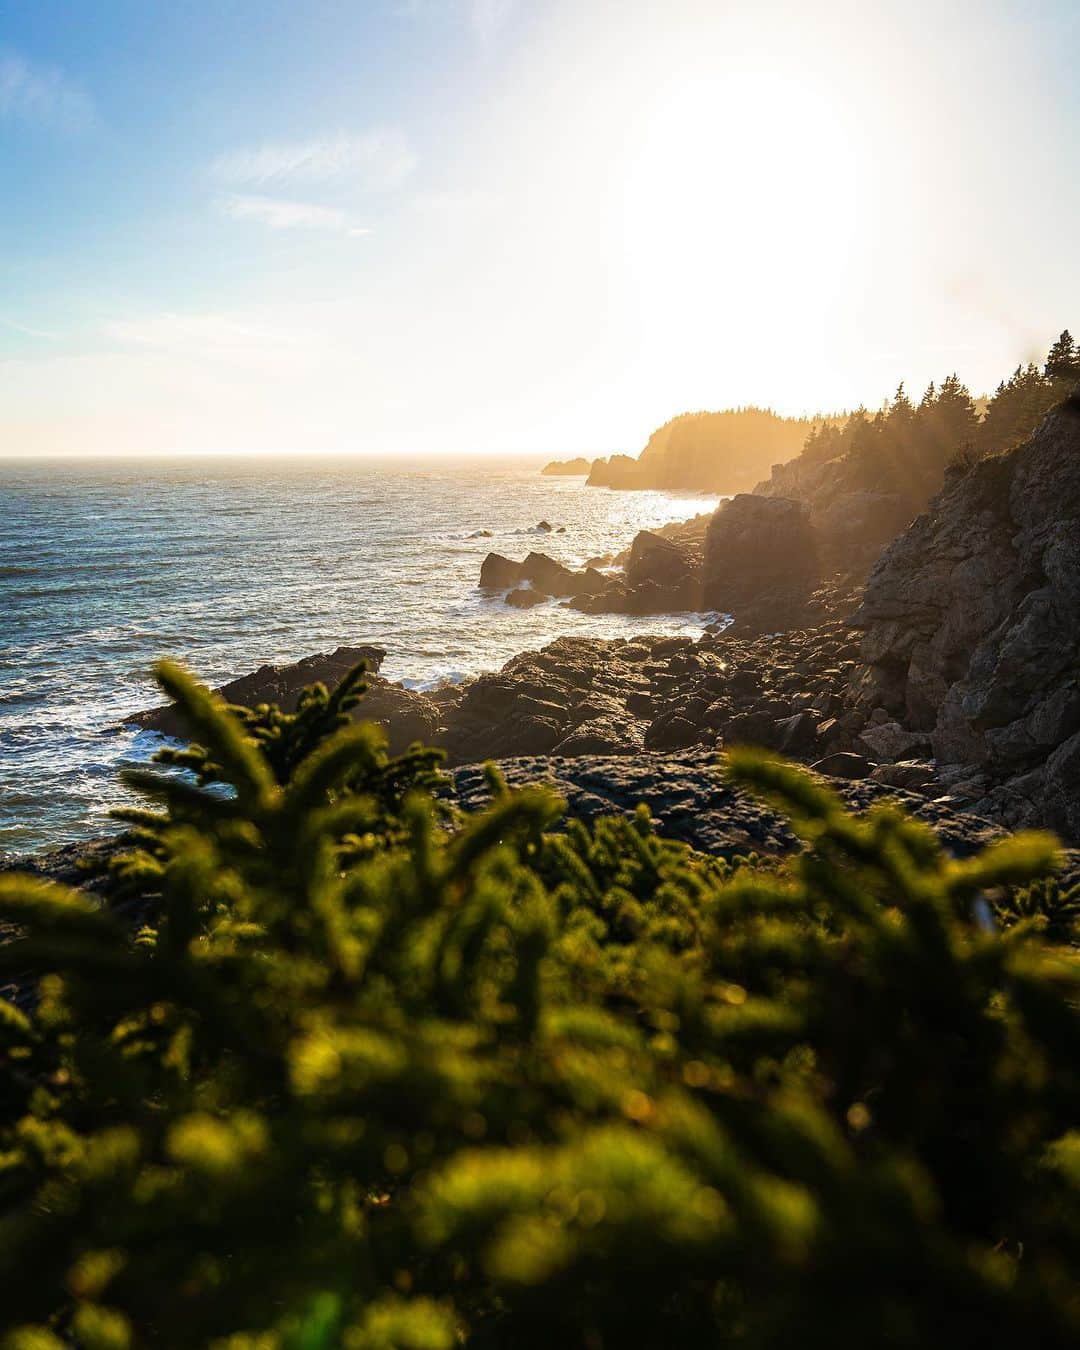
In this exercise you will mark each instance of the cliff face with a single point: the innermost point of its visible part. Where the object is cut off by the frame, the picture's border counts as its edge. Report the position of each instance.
(721, 452)
(971, 625)
(761, 561)
(854, 513)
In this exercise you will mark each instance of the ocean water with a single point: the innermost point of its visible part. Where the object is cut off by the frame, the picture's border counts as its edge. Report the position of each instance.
(229, 563)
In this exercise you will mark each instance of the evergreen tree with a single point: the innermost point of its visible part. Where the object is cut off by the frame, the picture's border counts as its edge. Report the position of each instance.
(1063, 362)
(356, 1078)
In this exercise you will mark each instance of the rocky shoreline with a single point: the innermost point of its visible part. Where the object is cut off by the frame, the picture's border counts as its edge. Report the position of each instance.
(952, 679)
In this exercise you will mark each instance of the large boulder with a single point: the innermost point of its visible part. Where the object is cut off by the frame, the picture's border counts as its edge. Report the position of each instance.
(971, 623)
(670, 572)
(498, 573)
(761, 561)
(549, 576)
(280, 684)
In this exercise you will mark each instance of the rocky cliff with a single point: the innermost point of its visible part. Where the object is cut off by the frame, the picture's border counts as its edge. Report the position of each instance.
(566, 467)
(852, 514)
(971, 624)
(707, 452)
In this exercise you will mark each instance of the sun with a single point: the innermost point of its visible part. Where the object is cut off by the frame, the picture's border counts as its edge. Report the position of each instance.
(741, 205)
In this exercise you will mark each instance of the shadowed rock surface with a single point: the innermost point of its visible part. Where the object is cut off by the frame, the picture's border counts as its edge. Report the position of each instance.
(761, 562)
(690, 801)
(406, 715)
(971, 625)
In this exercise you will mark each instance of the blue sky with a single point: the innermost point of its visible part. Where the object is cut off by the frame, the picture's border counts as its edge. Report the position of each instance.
(483, 226)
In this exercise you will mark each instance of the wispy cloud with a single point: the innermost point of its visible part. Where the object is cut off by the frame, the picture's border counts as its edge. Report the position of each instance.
(289, 215)
(379, 160)
(26, 329)
(42, 95)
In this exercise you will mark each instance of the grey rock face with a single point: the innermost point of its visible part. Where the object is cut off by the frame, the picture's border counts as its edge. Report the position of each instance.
(971, 624)
(761, 557)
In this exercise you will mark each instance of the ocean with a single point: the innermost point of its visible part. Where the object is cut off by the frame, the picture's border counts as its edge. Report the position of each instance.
(228, 563)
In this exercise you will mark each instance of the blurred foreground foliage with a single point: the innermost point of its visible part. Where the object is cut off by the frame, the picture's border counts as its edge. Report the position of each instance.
(367, 1076)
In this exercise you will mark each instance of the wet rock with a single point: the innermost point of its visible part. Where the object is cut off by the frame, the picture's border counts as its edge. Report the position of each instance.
(549, 576)
(498, 573)
(525, 598)
(280, 684)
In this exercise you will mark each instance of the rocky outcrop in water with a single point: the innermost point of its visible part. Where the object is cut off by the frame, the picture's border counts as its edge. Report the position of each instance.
(406, 715)
(971, 624)
(566, 467)
(661, 574)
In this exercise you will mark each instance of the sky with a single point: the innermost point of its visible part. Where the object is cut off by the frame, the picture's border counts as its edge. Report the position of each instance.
(412, 227)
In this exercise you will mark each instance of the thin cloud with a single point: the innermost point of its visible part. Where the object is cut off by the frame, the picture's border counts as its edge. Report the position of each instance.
(42, 95)
(380, 160)
(288, 215)
(26, 329)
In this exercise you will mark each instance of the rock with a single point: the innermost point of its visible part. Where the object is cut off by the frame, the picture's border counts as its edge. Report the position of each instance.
(617, 471)
(750, 729)
(549, 576)
(566, 467)
(603, 736)
(480, 534)
(971, 623)
(271, 684)
(689, 800)
(718, 452)
(498, 573)
(761, 562)
(671, 733)
(889, 740)
(545, 527)
(665, 563)
(795, 735)
(524, 598)
(908, 773)
(404, 714)
(843, 764)
(1061, 789)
